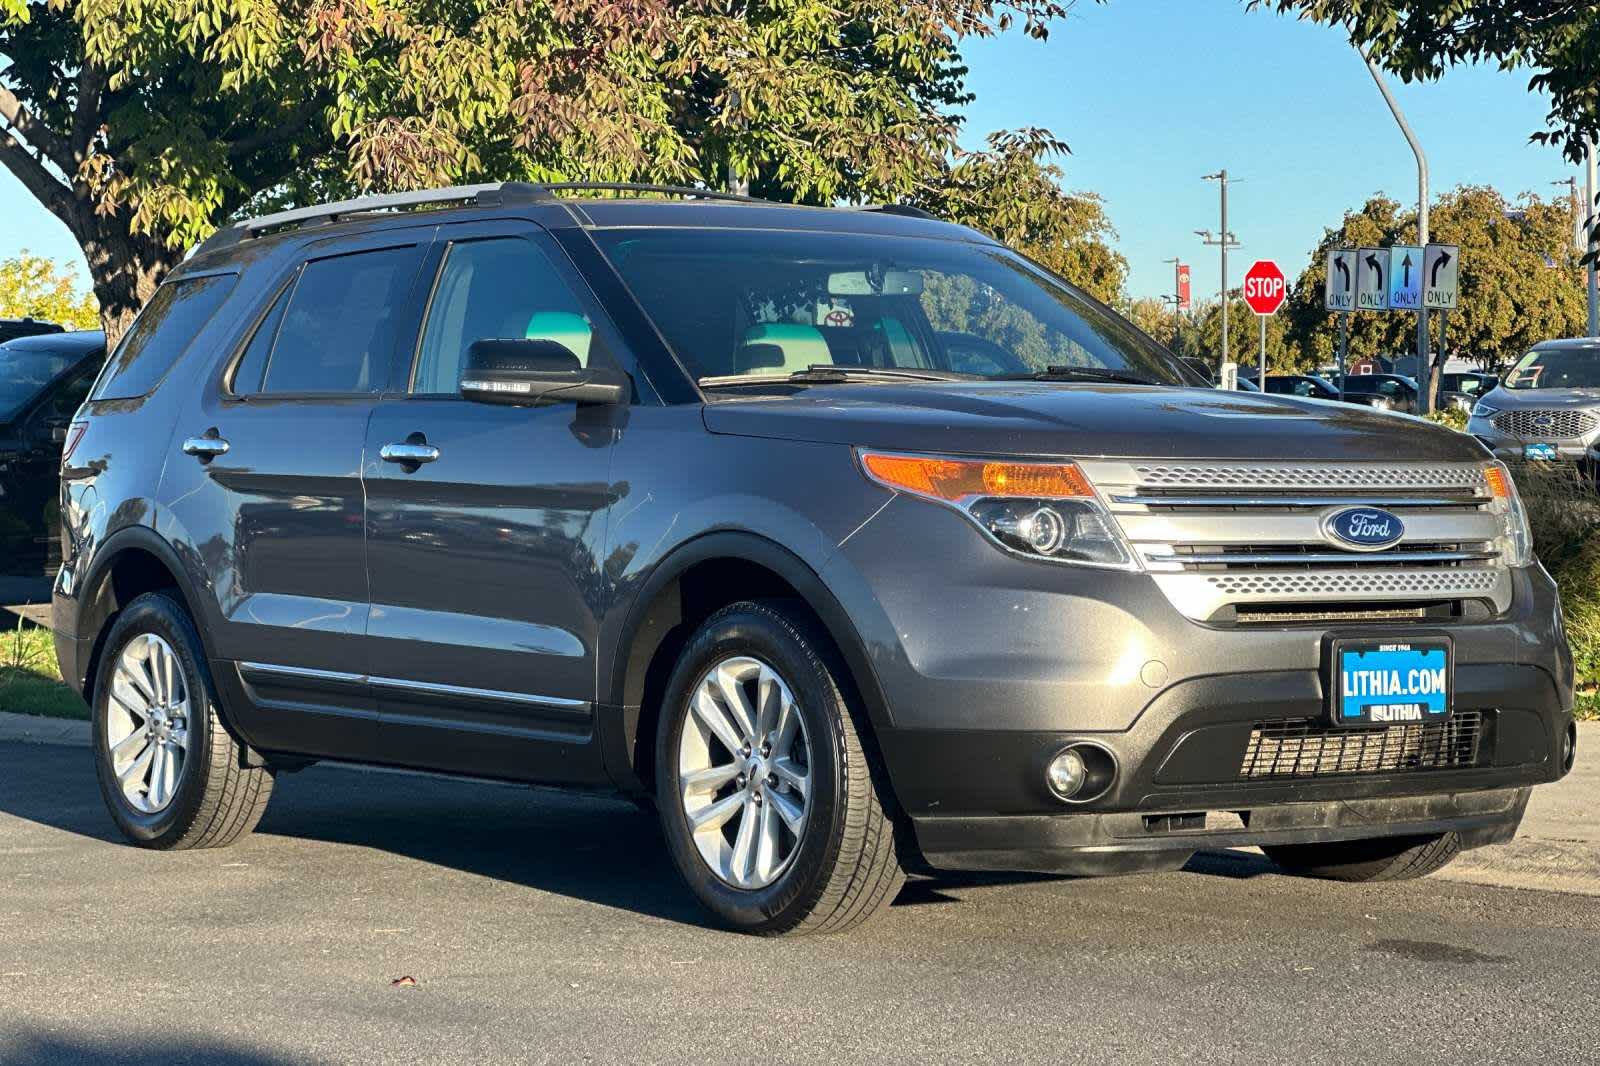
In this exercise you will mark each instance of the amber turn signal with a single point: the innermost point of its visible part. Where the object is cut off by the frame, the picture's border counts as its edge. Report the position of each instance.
(957, 479)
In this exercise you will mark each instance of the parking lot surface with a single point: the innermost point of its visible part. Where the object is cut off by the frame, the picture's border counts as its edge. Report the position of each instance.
(546, 928)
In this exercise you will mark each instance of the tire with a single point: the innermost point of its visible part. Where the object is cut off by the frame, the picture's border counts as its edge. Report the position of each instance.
(211, 797)
(840, 868)
(1380, 859)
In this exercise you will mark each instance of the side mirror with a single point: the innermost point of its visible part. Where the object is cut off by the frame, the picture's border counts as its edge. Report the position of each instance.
(528, 372)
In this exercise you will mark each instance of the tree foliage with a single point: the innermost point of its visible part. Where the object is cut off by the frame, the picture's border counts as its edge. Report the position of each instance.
(1520, 282)
(32, 286)
(145, 123)
(1558, 40)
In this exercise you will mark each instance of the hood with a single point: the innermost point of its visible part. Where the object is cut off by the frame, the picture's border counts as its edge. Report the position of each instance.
(1504, 398)
(1110, 421)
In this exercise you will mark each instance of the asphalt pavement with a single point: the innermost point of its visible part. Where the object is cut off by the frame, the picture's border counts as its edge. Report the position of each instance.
(547, 928)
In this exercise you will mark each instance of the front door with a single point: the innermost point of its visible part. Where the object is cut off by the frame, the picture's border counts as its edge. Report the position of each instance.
(485, 530)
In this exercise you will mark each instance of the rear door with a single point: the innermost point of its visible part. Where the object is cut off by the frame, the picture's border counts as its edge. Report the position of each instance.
(269, 486)
(486, 560)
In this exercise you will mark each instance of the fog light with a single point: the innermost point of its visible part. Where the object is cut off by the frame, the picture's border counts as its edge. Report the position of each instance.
(1067, 774)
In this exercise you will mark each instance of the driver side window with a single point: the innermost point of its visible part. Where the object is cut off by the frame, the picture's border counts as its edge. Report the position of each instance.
(500, 288)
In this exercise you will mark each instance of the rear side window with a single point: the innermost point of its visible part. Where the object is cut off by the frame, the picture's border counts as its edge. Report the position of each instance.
(166, 326)
(334, 330)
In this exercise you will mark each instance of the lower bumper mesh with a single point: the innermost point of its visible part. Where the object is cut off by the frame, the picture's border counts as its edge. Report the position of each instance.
(1306, 747)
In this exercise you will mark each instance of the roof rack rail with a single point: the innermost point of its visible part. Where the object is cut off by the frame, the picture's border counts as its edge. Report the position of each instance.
(489, 194)
(686, 191)
(900, 209)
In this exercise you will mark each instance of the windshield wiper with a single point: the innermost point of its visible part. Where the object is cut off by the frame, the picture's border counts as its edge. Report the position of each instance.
(832, 374)
(1086, 373)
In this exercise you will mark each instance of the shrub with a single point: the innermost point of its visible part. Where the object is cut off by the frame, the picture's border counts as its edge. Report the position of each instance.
(1451, 416)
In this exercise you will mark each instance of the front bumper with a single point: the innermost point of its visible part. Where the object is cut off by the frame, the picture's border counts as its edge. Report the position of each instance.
(989, 672)
(1509, 448)
(1136, 842)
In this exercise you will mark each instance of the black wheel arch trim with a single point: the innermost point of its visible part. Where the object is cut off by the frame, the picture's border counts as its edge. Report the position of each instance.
(629, 657)
(96, 610)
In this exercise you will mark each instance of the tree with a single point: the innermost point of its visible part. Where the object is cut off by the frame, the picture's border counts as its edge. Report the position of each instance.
(35, 287)
(1559, 40)
(1199, 336)
(143, 124)
(1519, 283)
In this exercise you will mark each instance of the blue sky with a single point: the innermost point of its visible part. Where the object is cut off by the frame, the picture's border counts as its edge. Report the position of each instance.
(1151, 94)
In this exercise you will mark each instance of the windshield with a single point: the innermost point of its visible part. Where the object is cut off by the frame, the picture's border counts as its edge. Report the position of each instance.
(1556, 368)
(740, 306)
(24, 373)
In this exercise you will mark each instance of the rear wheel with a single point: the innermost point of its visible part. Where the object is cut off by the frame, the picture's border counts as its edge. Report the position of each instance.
(170, 772)
(771, 809)
(1380, 859)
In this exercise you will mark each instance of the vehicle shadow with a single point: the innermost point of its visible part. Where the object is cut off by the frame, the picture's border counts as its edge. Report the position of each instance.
(81, 1050)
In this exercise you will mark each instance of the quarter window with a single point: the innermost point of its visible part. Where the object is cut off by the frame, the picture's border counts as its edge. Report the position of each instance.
(497, 288)
(163, 330)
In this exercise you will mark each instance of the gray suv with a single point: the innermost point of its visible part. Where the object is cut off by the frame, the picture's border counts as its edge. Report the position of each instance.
(1548, 406)
(849, 540)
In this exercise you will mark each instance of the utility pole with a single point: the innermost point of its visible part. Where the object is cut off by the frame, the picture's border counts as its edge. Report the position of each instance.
(1223, 242)
(1424, 365)
(1592, 189)
(1580, 239)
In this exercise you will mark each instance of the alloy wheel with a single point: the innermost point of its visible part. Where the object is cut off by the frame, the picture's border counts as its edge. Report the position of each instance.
(744, 772)
(147, 723)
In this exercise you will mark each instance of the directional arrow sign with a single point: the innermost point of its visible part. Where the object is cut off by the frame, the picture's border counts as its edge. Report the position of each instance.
(1405, 278)
(1340, 291)
(1372, 279)
(1441, 270)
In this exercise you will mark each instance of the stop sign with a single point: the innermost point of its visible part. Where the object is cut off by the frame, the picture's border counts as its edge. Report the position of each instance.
(1264, 287)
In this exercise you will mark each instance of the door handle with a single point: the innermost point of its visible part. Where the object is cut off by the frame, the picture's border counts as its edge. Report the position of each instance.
(205, 448)
(409, 454)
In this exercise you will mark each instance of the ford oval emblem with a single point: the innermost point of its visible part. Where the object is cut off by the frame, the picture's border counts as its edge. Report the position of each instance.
(1366, 529)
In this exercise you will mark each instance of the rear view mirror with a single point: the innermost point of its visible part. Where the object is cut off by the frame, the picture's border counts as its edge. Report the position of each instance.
(857, 283)
(527, 372)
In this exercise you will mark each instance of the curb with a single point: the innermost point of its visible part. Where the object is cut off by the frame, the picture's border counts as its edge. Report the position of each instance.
(31, 729)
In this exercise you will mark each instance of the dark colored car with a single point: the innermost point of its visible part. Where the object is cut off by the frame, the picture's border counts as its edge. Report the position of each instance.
(43, 379)
(12, 328)
(1464, 389)
(1386, 392)
(1307, 386)
(853, 540)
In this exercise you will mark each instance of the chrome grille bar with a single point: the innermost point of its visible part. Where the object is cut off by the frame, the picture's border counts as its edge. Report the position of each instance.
(1334, 558)
(1392, 501)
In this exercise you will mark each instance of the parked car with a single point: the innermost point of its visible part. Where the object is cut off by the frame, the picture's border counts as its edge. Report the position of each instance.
(1464, 389)
(1384, 392)
(12, 328)
(1307, 386)
(43, 379)
(1548, 406)
(683, 498)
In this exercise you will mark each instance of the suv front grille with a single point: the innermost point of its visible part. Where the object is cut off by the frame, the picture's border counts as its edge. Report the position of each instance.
(1306, 747)
(1218, 537)
(1539, 424)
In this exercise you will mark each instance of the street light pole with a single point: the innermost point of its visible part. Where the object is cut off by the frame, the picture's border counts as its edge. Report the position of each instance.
(1592, 187)
(1424, 368)
(1221, 178)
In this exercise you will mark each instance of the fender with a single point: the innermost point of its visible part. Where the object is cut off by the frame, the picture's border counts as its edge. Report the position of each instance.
(96, 605)
(629, 657)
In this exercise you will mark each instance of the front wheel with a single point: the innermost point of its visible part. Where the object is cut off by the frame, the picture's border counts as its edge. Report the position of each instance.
(771, 808)
(1379, 859)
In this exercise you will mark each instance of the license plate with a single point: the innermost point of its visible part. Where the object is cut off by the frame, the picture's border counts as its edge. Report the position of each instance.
(1540, 451)
(1387, 681)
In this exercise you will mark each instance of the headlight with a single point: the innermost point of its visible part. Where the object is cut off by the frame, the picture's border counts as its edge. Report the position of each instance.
(1516, 539)
(1482, 410)
(1041, 510)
